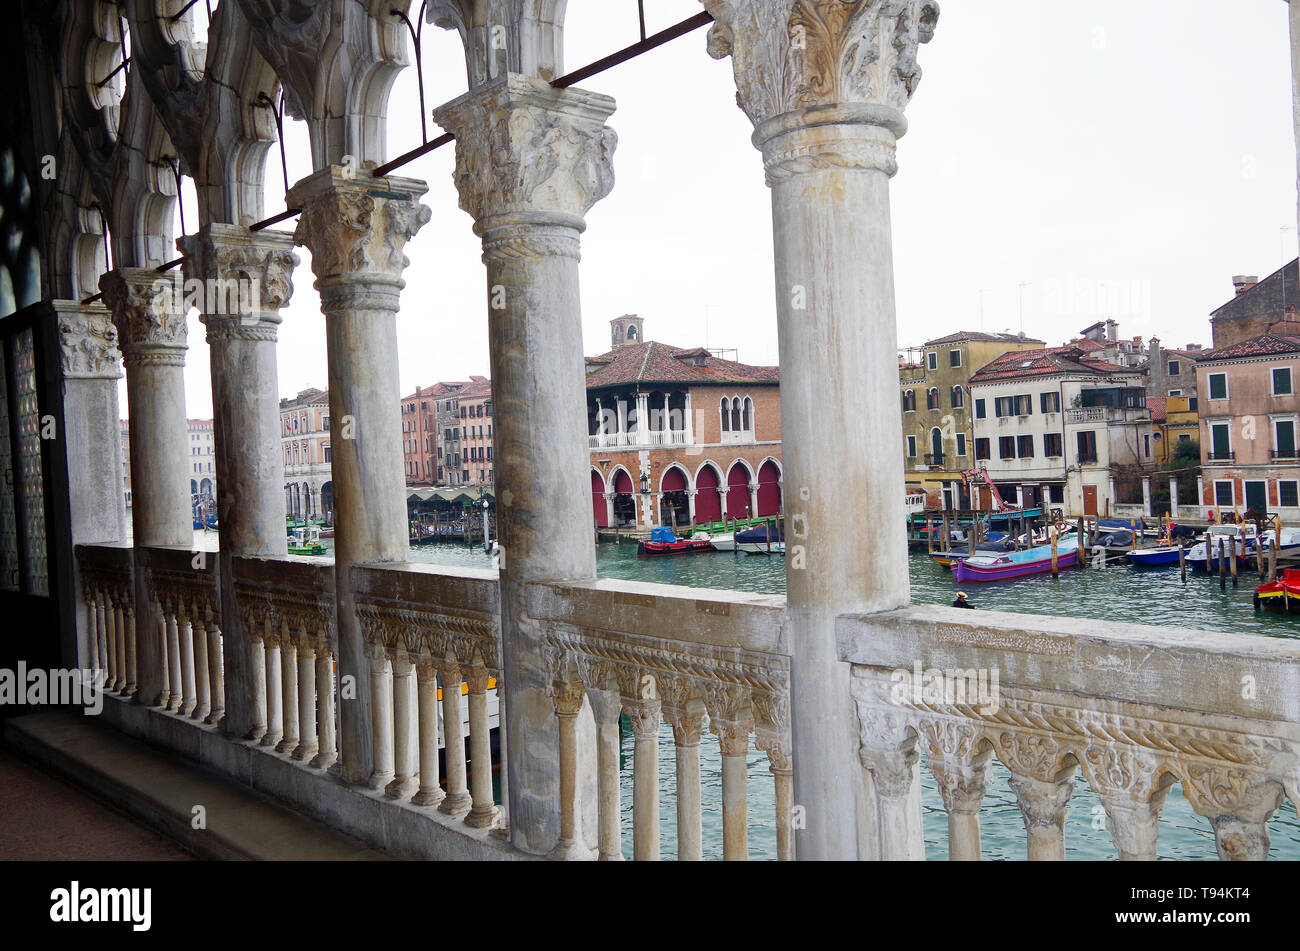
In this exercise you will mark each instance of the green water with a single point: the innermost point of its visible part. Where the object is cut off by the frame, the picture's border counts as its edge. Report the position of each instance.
(1143, 596)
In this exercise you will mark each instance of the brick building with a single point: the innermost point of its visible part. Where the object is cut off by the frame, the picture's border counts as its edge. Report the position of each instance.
(680, 435)
(1258, 308)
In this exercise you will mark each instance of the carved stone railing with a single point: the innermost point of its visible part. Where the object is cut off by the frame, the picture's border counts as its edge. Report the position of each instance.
(184, 585)
(1135, 708)
(666, 652)
(107, 589)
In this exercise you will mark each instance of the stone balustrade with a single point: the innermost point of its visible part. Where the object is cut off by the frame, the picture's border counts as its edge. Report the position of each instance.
(1049, 700)
(184, 587)
(107, 589)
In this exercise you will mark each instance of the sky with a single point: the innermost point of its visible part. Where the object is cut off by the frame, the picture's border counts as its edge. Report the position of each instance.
(1064, 163)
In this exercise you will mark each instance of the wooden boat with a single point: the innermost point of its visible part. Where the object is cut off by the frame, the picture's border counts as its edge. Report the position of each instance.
(1236, 539)
(1159, 556)
(663, 542)
(1278, 595)
(1016, 564)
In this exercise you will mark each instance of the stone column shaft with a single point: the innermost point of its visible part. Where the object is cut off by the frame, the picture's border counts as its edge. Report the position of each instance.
(687, 728)
(645, 716)
(457, 801)
(356, 227)
(405, 729)
(531, 160)
(430, 792)
(246, 277)
(484, 812)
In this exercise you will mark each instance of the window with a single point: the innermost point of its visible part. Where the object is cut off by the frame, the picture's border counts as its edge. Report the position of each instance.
(1288, 493)
(1025, 447)
(1146, 446)
(1007, 447)
(911, 447)
(958, 397)
(1175, 392)
(981, 449)
(1220, 441)
(954, 358)
(909, 401)
(1284, 438)
(446, 435)
(1218, 386)
(1052, 445)
(1282, 381)
(1191, 404)
(1056, 493)
(1049, 402)
(961, 444)
(932, 361)
(979, 409)
(932, 398)
(1013, 406)
(1086, 443)
(1223, 494)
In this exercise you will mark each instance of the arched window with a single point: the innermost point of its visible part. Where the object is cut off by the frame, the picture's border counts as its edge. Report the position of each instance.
(748, 419)
(909, 401)
(932, 398)
(631, 333)
(958, 397)
(726, 415)
(735, 414)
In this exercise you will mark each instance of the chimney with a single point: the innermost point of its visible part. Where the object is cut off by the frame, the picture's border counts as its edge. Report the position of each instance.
(1244, 282)
(1112, 330)
(1137, 343)
(1192, 346)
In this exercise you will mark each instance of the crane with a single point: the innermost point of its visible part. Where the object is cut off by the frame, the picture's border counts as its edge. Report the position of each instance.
(982, 473)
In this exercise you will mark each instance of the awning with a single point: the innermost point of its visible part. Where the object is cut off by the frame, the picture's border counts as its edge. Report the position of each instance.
(451, 494)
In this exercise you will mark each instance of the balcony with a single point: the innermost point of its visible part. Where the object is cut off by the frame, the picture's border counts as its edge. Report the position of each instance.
(1212, 456)
(634, 439)
(1286, 455)
(1093, 414)
(934, 460)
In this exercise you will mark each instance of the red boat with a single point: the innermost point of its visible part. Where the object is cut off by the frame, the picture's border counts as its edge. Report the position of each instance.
(1278, 595)
(663, 542)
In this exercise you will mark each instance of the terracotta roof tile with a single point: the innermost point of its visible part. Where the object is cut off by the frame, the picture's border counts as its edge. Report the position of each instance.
(981, 337)
(1262, 346)
(1156, 405)
(653, 362)
(1025, 364)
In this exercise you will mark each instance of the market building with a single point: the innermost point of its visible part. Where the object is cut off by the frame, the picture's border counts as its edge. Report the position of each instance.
(305, 441)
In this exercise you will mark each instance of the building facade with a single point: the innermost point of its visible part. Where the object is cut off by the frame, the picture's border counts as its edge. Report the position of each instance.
(680, 436)
(1061, 429)
(1258, 308)
(419, 434)
(200, 463)
(935, 392)
(305, 439)
(1250, 410)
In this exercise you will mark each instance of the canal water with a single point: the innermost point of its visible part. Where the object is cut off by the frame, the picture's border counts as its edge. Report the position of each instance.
(1120, 592)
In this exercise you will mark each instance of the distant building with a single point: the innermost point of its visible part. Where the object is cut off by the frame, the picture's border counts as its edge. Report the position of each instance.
(1250, 408)
(1062, 429)
(305, 438)
(1174, 420)
(934, 384)
(447, 432)
(679, 435)
(1101, 341)
(200, 462)
(1172, 372)
(1258, 308)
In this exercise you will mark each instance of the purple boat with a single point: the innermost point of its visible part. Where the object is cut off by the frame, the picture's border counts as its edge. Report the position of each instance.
(1014, 564)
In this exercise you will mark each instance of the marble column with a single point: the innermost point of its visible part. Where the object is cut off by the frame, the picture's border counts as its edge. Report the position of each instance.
(530, 162)
(90, 365)
(247, 277)
(150, 320)
(1043, 803)
(1146, 496)
(827, 114)
(1173, 497)
(568, 699)
(355, 226)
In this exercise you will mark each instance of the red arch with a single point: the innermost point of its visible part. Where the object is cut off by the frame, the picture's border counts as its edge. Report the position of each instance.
(738, 492)
(674, 480)
(769, 490)
(598, 507)
(623, 483)
(707, 506)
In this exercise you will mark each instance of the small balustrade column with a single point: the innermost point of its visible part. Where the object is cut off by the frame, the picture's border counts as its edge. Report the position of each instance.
(1043, 804)
(308, 743)
(288, 689)
(253, 274)
(216, 676)
(184, 621)
(457, 802)
(607, 708)
(484, 811)
(962, 780)
(150, 321)
(827, 126)
(381, 717)
(426, 685)
(326, 691)
(274, 702)
(405, 728)
(645, 717)
(527, 191)
(107, 651)
(688, 726)
(1238, 805)
(567, 699)
(126, 611)
(200, 631)
(733, 740)
(356, 226)
(175, 684)
(95, 636)
(772, 736)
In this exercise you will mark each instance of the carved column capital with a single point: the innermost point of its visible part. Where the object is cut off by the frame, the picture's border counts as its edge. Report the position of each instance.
(733, 735)
(687, 727)
(149, 316)
(825, 82)
(477, 677)
(528, 154)
(239, 279)
(356, 227)
(87, 342)
(645, 716)
(567, 696)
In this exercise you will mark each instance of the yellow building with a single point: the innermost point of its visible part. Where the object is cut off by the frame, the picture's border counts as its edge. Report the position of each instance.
(935, 393)
(1175, 420)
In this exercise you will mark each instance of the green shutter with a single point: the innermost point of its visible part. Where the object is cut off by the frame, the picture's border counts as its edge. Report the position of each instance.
(1286, 438)
(1219, 433)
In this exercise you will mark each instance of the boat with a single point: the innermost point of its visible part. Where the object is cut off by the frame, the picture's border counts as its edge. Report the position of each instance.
(1000, 544)
(1015, 564)
(723, 542)
(306, 541)
(327, 531)
(1278, 595)
(1154, 557)
(1235, 539)
(664, 542)
(763, 540)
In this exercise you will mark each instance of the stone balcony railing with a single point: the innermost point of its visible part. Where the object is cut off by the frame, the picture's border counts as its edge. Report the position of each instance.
(633, 439)
(1113, 703)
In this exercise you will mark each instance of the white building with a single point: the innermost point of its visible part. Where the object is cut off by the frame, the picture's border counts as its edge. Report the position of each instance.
(200, 462)
(1061, 429)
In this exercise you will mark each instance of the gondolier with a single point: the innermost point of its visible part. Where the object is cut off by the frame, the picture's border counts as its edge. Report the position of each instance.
(961, 601)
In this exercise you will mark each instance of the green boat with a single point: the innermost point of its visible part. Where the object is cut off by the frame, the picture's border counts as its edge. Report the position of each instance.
(305, 540)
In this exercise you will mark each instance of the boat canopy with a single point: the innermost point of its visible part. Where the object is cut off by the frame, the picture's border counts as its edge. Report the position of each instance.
(451, 494)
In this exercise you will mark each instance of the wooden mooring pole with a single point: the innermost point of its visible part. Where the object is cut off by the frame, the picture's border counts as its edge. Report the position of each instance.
(1223, 568)
(1182, 560)
(1232, 563)
(1055, 567)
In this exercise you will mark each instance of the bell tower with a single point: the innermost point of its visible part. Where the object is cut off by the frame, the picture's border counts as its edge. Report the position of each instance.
(625, 330)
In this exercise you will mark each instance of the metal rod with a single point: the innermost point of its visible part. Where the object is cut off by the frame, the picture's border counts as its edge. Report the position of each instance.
(169, 265)
(640, 9)
(636, 49)
(117, 69)
(419, 65)
(186, 9)
(174, 164)
(274, 219)
(415, 153)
